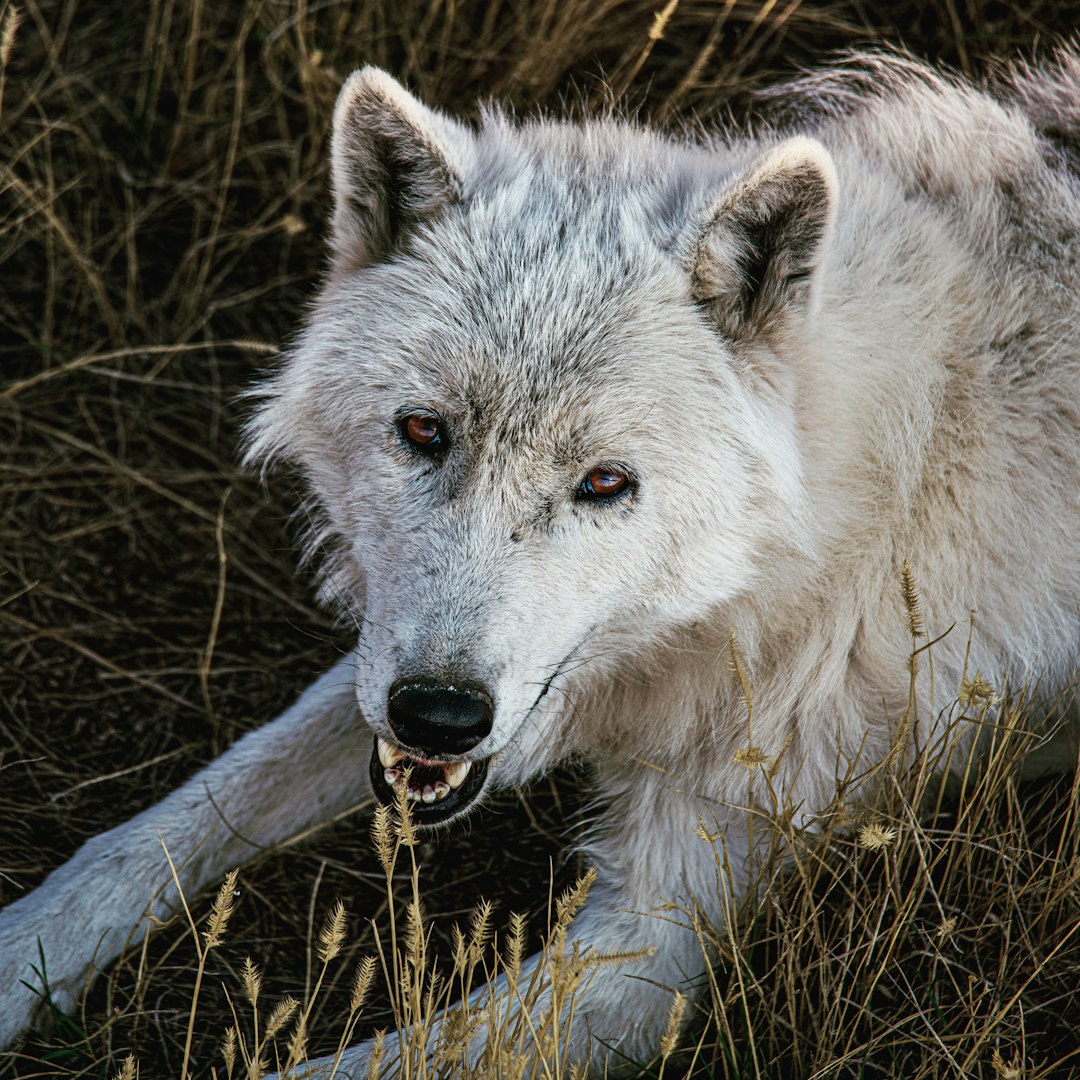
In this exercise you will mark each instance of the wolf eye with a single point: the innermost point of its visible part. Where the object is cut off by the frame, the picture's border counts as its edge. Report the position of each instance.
(603, 483)
(423, 432)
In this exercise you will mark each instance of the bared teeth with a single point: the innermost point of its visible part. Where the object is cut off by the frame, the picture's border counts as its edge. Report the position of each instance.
(456, 772)
(396, 763)
(389, 755)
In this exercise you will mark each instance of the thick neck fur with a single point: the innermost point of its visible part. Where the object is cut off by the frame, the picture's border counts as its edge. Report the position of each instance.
(893, 404)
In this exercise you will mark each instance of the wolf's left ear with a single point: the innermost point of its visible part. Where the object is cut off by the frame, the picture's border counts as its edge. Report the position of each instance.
(758, 246)
(393, 162)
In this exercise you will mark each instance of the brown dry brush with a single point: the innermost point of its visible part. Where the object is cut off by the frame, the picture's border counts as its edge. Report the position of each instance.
(163, 192)
(934, 933)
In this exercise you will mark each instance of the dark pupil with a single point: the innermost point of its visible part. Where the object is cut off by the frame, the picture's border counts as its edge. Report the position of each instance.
(422, 430)
(606, 483)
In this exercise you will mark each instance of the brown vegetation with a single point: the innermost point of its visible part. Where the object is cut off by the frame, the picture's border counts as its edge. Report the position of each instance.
(162, 166)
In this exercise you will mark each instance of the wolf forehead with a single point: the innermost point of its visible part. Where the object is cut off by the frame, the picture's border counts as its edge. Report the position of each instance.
(547, 275)
(615, 187)
(475, 297)
(559, 258)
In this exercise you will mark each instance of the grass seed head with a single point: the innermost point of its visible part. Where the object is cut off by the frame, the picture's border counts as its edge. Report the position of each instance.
(750, 757)
(976, 692)
(480, 929)
(129, 1070)
(361, 986)
(406, 832)
(710, 836)
(281, 1015)
(592, 960)
(228, 1051)
(382, 837)
(221, 911)
(910, 594)
(568, 905)
(460, 951)
(252, 980)
(415, 935)
(946, 930)
(375, 1061)
(332, 934)
(10, 17)
(674, 1025)
(660, 20)
(739, 669)
(876, 837)
(1007, 1070)
(515, 947)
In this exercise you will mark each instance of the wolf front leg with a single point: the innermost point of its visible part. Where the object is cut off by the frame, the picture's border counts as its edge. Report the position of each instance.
(656, 871)
(308, 764)
(652, 871)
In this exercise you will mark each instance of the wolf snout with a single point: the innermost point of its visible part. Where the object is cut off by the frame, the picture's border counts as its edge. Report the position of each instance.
(439, 717)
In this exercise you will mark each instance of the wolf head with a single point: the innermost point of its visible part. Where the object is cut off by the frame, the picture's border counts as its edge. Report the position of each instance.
(544, 406)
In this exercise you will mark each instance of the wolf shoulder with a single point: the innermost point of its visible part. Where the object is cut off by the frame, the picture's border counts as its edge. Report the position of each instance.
(939, 382)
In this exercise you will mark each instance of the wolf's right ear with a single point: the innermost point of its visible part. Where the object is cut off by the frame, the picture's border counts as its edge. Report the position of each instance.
(754, 255)
(393, 163)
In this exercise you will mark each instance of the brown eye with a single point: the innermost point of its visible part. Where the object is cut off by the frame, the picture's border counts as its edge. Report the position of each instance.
(603, 483)
(424, 432)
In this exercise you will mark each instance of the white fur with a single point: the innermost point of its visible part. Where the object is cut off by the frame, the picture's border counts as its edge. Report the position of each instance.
(819, 356)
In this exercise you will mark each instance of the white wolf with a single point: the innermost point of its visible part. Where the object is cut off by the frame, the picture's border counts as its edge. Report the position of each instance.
(581, 404)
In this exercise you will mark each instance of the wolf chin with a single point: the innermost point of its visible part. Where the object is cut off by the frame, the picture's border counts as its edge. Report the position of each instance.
(582, 408)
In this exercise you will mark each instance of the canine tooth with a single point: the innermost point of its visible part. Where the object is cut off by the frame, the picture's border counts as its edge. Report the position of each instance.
(392, 776)
(389, 755)
(442, 789)
(456, 772)
(429, 793)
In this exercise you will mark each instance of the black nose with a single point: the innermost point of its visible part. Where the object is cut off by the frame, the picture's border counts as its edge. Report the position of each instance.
(439, 718)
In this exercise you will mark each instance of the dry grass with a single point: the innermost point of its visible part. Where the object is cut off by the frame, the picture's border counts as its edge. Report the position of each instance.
(935, 935)
(162, 169)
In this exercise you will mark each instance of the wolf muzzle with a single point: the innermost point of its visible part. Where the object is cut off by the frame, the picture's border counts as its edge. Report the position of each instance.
(435, 722)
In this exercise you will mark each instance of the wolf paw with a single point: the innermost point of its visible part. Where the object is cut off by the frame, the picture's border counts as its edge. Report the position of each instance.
(27, 1002)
